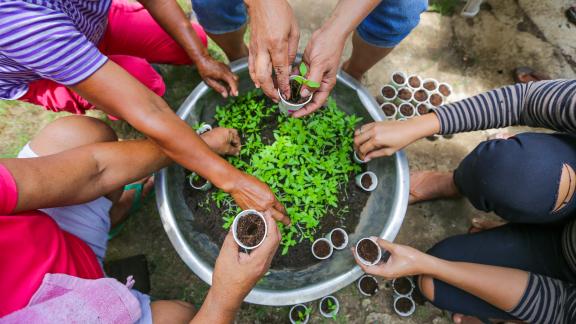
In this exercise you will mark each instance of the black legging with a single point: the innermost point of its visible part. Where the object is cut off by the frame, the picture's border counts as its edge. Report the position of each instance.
(518, 179)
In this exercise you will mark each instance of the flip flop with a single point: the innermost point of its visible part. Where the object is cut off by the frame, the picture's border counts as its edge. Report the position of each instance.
(136, 205)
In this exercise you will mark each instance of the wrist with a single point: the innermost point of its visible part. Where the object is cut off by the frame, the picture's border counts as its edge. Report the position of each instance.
(424, 126)
(222, 303)
(335, 30)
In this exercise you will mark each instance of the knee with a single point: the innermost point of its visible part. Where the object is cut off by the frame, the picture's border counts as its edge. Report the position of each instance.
(172, 311)
(140, 69)
(426, 286)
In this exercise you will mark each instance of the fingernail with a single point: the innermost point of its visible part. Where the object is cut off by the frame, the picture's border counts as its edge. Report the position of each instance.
(305, 92)
(224, 94)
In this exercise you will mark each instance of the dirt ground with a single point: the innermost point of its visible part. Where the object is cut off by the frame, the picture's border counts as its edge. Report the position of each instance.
(473, 55)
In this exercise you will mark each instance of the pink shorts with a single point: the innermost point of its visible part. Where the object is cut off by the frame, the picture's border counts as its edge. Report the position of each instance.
(132, 40)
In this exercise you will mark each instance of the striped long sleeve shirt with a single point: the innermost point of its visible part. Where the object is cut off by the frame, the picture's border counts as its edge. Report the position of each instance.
(548, 104)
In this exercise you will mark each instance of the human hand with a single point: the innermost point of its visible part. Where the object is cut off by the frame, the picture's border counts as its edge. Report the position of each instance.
(223, 141)
(274, 38)
(251, 193)
(236, 273)
(322, 55)
(403, 261)
(379, 139)
(218, 76)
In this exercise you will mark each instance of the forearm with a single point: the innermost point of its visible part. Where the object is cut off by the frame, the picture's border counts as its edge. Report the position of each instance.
(347, 16)
(499, 286)
(172, 19)
(214, 310)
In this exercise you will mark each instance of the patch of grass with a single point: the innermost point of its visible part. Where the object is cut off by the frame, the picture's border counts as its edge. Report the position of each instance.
(444, 7)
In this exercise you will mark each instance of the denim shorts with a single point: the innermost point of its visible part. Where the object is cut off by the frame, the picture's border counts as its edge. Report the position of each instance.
(386, 26)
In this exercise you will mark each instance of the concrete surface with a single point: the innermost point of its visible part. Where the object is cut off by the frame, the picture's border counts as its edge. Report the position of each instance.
(473, 55)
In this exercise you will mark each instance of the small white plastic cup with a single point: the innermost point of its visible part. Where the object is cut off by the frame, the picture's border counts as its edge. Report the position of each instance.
(449, 88)
(332, 313)
(366, 262)
(235, 228)
(430, 99)
(408, 313)
(357, 159)
(205, 187)
(344, 245)
(398, 84)
(406, 116)
(419, 81)
(434, 81)
(329, 245)
(391, 117)
(428, 93)
(399, 100)
(360, 288)
(406, 294)
(372, 176)
(299, 321)
(203, 129)
(288, 108)
(428, 106)
(384, 96)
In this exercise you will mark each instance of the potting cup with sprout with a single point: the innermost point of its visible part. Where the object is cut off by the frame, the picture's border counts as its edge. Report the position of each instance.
(329, 306)
(199, 183)
(296, 101)
(299, 314)
(367, 285)
(203, 128)
(367, 181)
(368, 251)
(322, 249)
(338, 238)
(249, 229)
(404, 305)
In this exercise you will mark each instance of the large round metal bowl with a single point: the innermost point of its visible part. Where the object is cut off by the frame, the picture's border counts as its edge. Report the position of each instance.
(382, 216)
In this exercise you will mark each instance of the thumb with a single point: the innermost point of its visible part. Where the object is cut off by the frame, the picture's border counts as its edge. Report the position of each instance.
(386, 245)
(315, 75)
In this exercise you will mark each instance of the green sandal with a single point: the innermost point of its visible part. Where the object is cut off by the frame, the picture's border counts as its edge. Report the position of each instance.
(136, 205)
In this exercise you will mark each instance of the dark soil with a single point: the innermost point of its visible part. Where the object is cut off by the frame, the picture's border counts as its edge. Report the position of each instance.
(406, 110)
(398, 78)
(369, 285)
(198, 181)
(436, 100)
(325, 307)
(366, 181)
(295, 97)
(404, 94)
(388, 92)
(423, 109)
(368, 250)
(414, 82)
(322, 249)
(389, 110)
(250, 230)
(444, 90)
(294, 314)
(210, 221)
(402, 285)
(421, 95)
(403, 305)
(430, 86)
(337, 238)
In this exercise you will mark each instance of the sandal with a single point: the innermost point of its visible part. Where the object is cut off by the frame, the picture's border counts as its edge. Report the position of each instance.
(136, 205)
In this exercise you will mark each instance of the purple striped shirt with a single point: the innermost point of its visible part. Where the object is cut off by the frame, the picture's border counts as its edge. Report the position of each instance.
(49, 39)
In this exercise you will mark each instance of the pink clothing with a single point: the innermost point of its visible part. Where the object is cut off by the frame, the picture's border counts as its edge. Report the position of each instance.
(132, 40)
(32, 245)
(63, 298)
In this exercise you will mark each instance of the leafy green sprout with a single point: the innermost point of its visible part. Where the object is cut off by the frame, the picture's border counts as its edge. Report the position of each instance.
(302, 315)
(301, 79)
(331, 307)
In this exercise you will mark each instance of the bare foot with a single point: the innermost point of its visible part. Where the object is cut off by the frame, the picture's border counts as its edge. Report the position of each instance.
(479, 224)
(120, 208)
(430, 185)
(461, 319)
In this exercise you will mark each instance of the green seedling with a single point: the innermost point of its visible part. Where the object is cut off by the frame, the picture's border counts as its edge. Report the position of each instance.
(302, 315)
(301, 80)
(331, 307)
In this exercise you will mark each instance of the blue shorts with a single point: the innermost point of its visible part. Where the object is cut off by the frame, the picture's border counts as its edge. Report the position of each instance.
(386, 26)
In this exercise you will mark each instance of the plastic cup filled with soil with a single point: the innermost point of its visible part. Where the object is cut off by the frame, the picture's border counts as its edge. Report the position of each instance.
(436, 100)
(368, 251)
(389, 109)
(389, 92)
(322, 249)
(357, 159)
(198, 183)
(299, 314)
(445, 89)
(423, 109)
(329, 306)
(404, 306)
(249, 229)
(367, 285)
(403, 286)
(367, 181)
(414, 81)
(399, 79)
(421, 95)
(296, 102)
(407, 110)
(430, 84)
(405, 94)
(338, 238)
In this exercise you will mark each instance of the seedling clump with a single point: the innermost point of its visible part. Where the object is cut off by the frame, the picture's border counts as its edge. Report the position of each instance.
(328, 306)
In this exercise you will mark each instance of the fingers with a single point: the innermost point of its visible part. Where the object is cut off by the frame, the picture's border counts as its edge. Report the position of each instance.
(263, 73)
(252, 69)
(229, 247)
(232, 80)
(367, 147)
(217, 87)
(293, 42)
(363, 134)
(280, 216)
(317, 102)
(386, 245)
(279, 56)
(271, 242)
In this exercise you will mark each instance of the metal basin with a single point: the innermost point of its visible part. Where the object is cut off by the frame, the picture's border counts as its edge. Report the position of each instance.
(382, 216)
